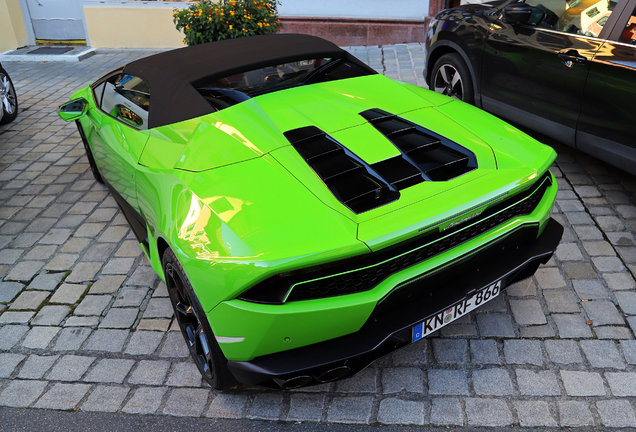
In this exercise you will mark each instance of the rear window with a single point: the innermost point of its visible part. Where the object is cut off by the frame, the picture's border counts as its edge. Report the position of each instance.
(230, 90)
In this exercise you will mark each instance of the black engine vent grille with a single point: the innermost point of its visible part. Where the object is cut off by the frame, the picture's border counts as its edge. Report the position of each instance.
(367, 278)
(353, 182)
(438, 158)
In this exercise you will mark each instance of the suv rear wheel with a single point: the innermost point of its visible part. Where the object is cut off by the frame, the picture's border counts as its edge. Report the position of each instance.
(451, 77)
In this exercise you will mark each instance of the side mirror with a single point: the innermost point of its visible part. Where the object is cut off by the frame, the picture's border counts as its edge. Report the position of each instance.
(73, 110)
(518, 13)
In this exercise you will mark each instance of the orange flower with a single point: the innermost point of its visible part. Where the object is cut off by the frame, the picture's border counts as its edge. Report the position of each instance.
(260, 25)
(232, 12)
(230, 26)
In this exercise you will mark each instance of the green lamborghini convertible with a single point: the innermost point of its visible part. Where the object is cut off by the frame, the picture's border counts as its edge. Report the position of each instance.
(308, 214)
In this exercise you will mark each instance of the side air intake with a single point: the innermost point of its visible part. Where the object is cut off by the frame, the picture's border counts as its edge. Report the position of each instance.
(355, 184)
(438, 158)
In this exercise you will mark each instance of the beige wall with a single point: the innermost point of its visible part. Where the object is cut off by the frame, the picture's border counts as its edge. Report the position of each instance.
(131, 27)
(13, 33)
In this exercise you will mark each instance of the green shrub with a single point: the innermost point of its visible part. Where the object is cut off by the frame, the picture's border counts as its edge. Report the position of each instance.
(207, 21)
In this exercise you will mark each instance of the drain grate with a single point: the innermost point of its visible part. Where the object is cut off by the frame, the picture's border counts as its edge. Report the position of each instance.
(51, 50)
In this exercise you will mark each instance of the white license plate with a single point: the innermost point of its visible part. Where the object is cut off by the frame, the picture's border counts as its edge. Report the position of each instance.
(446, 317)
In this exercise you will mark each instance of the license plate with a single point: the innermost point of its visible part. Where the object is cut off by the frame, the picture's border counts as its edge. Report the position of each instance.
(446, 317)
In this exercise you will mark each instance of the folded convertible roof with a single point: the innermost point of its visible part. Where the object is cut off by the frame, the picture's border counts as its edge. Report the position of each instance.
(174, 75)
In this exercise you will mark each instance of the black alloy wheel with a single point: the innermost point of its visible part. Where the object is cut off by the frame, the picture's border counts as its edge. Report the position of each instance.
(89, 154)
(8, 98)
(194, 325)
(451, 77)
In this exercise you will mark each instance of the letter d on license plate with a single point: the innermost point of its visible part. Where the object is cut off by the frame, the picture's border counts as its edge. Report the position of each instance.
(438, 321)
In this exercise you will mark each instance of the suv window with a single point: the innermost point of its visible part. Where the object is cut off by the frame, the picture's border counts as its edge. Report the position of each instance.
(584, 17)
(127, 98)
(629, 34)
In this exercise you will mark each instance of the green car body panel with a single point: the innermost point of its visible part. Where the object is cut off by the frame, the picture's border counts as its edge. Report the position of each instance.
(237, 204)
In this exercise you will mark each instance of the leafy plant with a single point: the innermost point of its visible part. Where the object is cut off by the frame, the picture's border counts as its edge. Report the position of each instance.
(207, 21)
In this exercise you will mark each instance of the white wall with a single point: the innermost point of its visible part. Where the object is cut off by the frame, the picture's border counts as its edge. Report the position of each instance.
(382, 9)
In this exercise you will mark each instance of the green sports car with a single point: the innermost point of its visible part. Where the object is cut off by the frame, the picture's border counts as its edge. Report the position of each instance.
(308, 214)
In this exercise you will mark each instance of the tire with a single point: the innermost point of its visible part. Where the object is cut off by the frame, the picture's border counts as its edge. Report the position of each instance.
(194, 325)
(451, 77)
(89, 154)
(8, 98)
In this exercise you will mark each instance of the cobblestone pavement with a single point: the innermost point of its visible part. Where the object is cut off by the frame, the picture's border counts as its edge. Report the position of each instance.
(85, 324)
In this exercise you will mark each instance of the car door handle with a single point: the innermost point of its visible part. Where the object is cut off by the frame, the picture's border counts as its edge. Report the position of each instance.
(571, 57)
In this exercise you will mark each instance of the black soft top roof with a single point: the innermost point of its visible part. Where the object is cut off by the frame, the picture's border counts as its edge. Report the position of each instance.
(173, 75)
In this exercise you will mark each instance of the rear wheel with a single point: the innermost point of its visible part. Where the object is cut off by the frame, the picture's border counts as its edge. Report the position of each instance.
(89, 154)
(8, 99)
(194, 326)
(451, 77)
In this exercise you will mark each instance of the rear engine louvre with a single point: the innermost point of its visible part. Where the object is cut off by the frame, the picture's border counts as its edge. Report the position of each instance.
(364, 273)
(435, 157)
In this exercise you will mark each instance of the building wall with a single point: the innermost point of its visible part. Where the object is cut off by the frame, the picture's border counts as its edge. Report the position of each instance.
(361, 9)
(13, 33)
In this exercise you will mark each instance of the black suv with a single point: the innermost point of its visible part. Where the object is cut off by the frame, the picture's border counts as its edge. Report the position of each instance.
(566, 69)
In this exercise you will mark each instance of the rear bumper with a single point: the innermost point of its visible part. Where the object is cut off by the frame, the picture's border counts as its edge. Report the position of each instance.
(508, 259)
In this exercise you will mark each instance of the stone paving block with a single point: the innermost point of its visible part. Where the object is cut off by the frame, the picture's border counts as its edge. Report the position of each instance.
(110, 371)
(16, 317)
(70, 368)
(107, 284)
(144, 342)
(84, 272)
(574, 414)
(159, 308)
(161, 290)
(598, 248)
(36, 366)
(527, 312)
(572, 326)
(616, 413)
(56, 236)
(21, 394)
(143, 276)
(145, 401)
(150, 372)
(537, 331)
(107, 340)
(89, 229)
(396, 411)
(51, 315)
(9, 291)
(350, 409)
(414, 354)
(561, 301)
(232, 406)
(119, 266)
(9, 256)
(627, 301)
(63, 396)
(549, 277)
(484, 351)
(303, 407)
(267, 406)
(8, 362)
(120, 318)
(71, 339)
(608, 264)
(492, 382)
(619, 281)
(523, 352)
(113, 234)
(563, 351)
(488, 412)
(629, 351)
(10, 335)
(62, 261)
(583, 383)
(622, 383)
(397, 379)
(542, 383)
(450, 350)
(46, 281)
(447, 382)
(184, 374)
(363, 382)
(495, 325)
(446, 412)
(93, 305)
(40, 337)
(534, 413)
(24, 270)
(81, 321)
(590, 289)
(130, 297)
(632, 323)
(68, 293)
(105, 399)
(613, 332)
(525, 288)
(603, 312)
(99, 252)
(569, 252)
(161, 325)
(174, 346)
